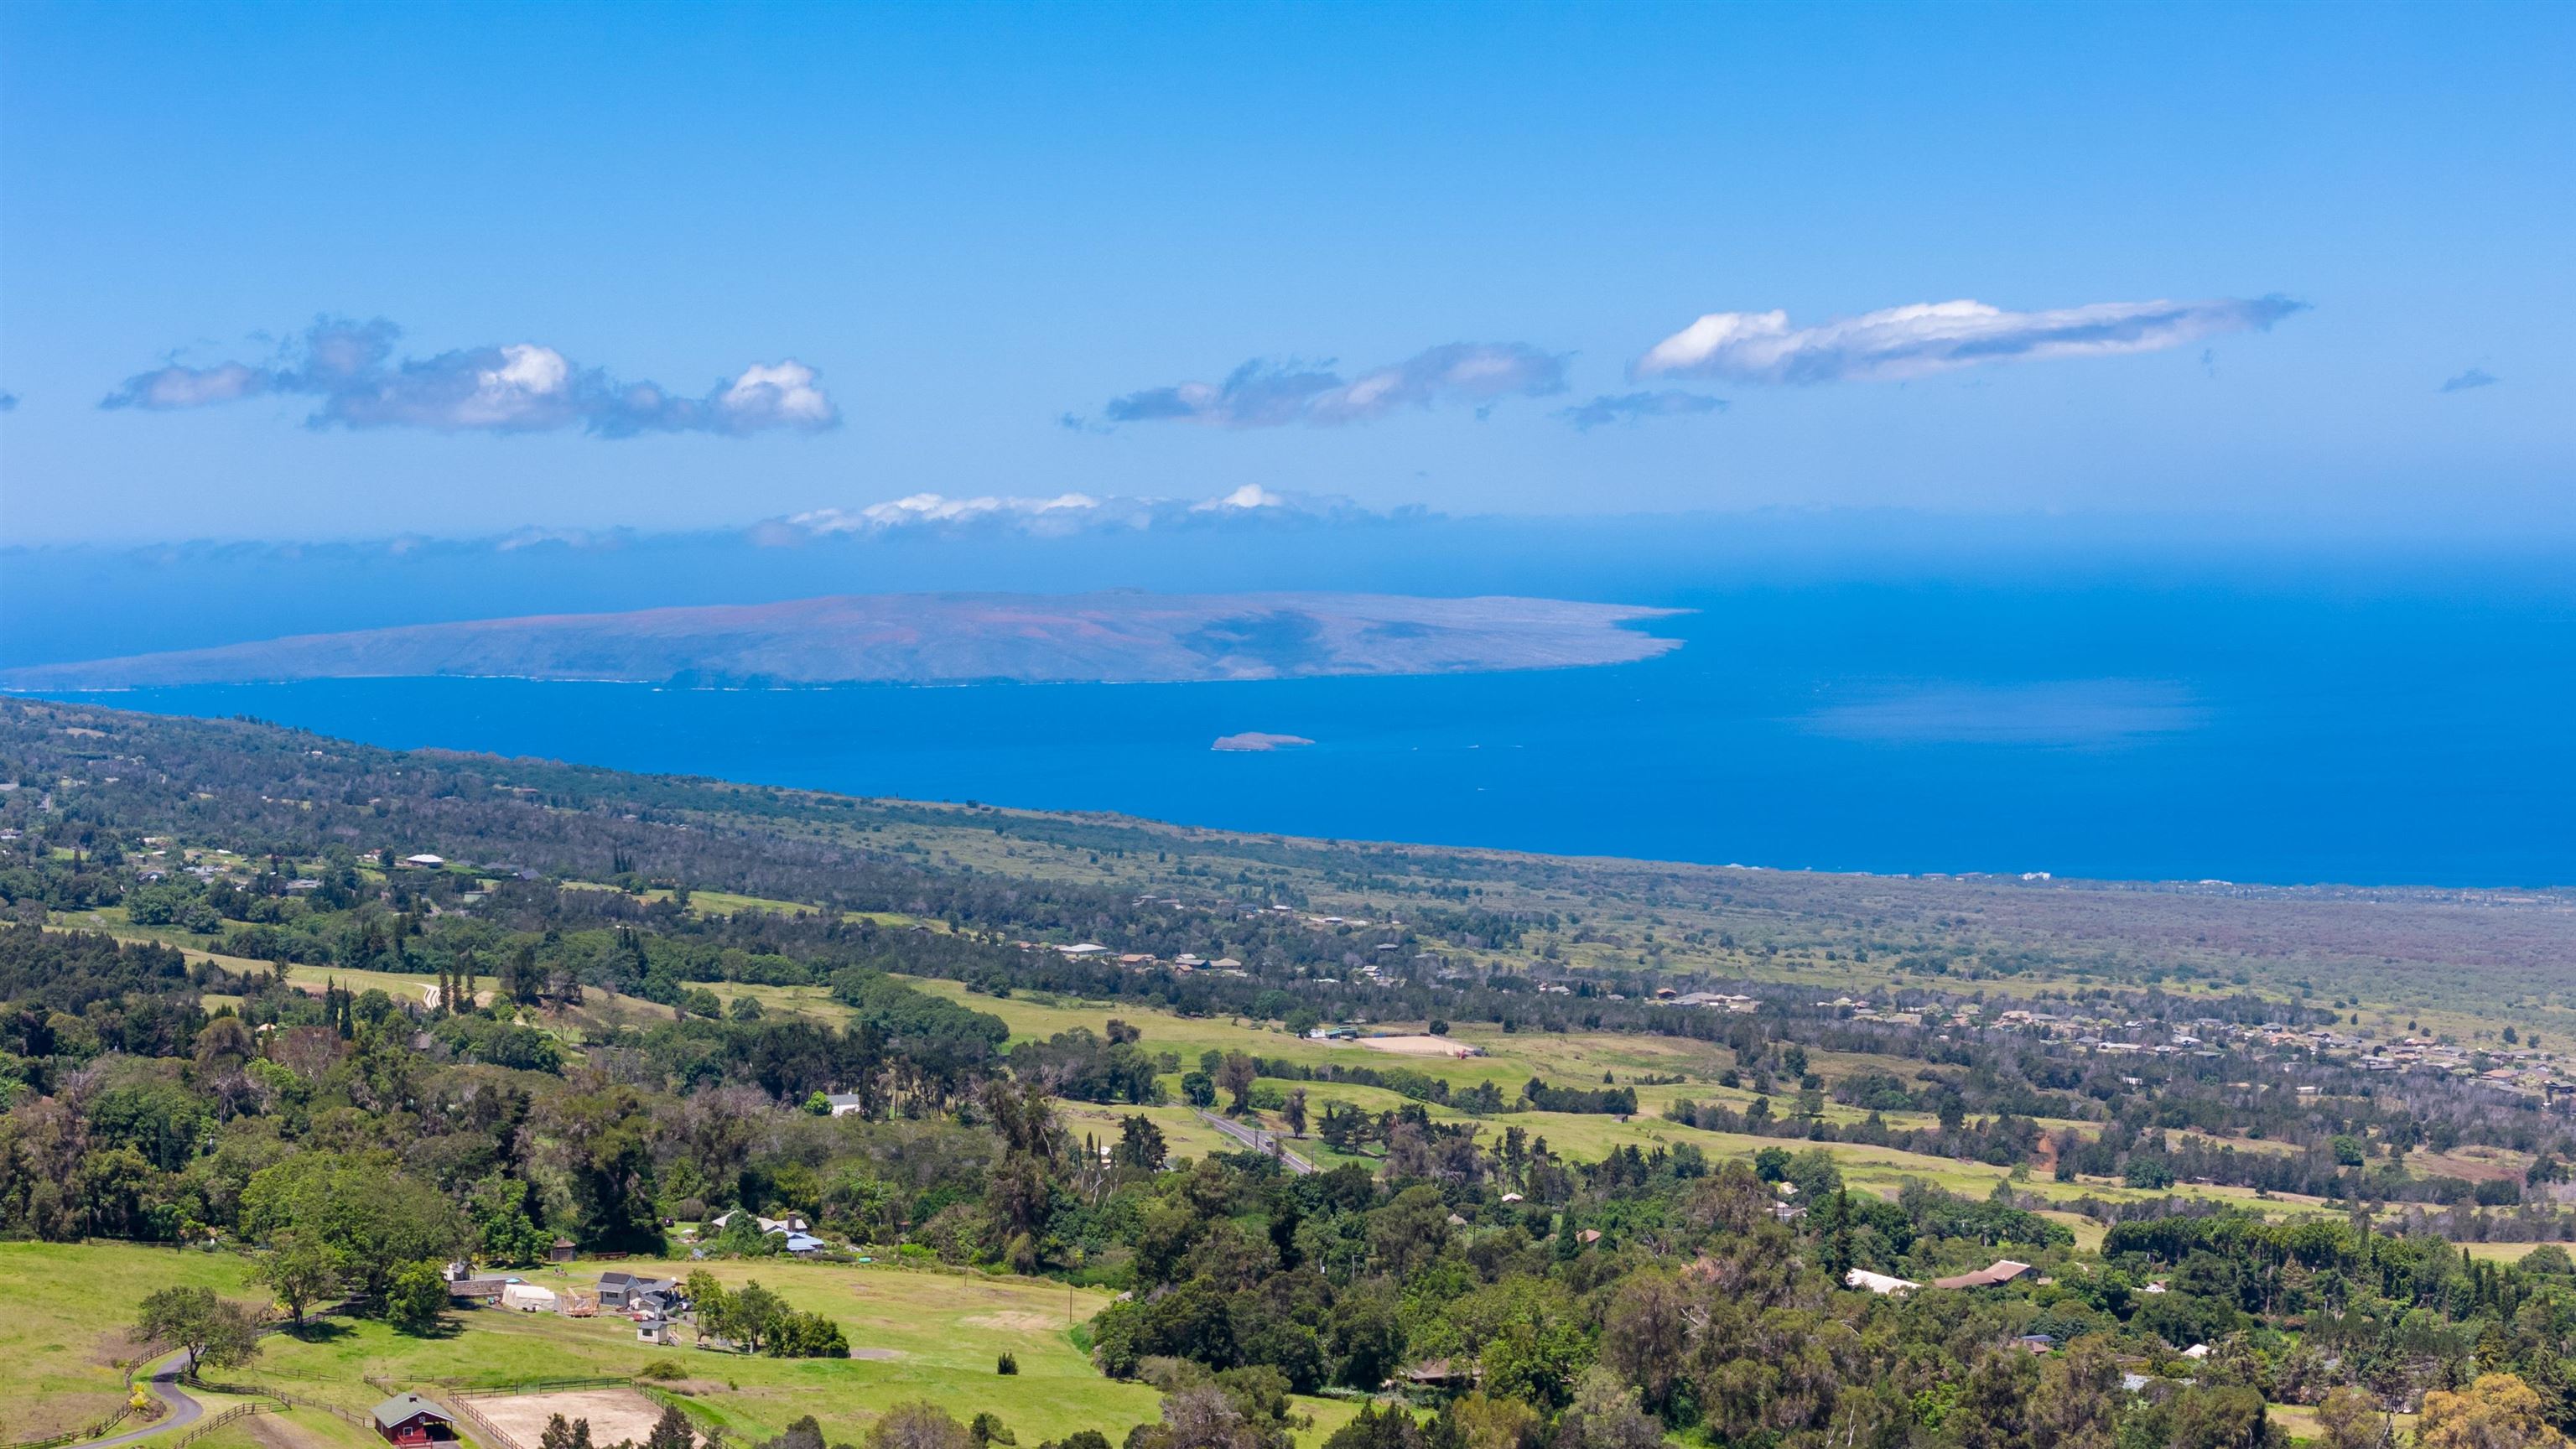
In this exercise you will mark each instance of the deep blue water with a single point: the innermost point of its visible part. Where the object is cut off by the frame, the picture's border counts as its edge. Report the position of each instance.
(2235, 731)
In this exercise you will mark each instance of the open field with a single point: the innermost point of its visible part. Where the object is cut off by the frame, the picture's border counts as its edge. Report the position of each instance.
(63, 1332)
(928, 1335)
(1512, 1058)
(1418, 1046)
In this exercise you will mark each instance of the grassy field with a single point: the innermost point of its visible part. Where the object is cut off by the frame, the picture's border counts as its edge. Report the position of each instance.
(1510, 1059)
(929, 1335)
(2499, 1252)
(63, 1334)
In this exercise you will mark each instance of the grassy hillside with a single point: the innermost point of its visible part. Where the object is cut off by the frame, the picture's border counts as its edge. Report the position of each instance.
(924, 1335)
(63, 1338)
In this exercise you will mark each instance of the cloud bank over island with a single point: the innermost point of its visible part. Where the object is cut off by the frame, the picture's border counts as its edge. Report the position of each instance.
(351, 371)
(1933, 337)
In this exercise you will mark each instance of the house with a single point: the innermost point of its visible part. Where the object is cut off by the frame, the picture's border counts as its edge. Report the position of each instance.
(620, 1292)
(845, 1103)
(2002, 1270)
(2036, 1342)
(1432, 1373)
(1879, 1283)
(528, 1298)
(425, 861)
(804, 1245)
(655, 1331)
(792, 1223)
(411, 1419)
(2196, 1351)
(475, 1292)
(562, 1251)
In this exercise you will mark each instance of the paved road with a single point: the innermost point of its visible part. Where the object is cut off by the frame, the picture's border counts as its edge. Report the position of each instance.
(1258, 1141)
(164, 1384)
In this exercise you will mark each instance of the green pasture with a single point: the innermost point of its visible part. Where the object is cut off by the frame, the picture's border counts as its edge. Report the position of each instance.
(924, 1334)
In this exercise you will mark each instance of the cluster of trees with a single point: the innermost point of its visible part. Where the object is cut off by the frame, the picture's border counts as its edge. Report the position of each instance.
(758, 1321)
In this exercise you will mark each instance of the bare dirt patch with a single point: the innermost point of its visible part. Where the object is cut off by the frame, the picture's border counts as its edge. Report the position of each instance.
(1418, 1046)
(877, 1355)
(2476, 1164)
(1018, 1320)
(614, 1414)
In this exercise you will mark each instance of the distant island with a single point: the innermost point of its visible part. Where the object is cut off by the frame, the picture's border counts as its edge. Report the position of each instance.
(1113, 637)
(1254, 742)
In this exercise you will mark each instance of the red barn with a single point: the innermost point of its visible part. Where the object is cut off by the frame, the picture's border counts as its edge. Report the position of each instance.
(411, 1419)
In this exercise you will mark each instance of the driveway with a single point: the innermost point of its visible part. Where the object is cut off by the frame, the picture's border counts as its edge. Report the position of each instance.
(164, 1385)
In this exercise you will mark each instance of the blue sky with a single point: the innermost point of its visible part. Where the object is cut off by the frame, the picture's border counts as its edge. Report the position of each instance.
(1450, 255)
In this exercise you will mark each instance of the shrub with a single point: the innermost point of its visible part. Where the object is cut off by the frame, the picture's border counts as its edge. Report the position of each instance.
(1008, 1363)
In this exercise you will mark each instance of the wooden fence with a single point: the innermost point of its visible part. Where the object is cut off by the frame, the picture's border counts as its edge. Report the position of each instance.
(204, 1427)
(283, 1396)
(491, 1388)
(492, 1435)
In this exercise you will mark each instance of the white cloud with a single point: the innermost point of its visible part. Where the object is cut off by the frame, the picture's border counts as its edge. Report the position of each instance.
(1930, 337)
(1063, 514)
(1260, 394)
(783, 395)
(1249, 496)
(518, 387)
(191, 387)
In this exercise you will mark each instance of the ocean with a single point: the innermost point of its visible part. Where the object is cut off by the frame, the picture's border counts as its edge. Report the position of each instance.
(2231, 729)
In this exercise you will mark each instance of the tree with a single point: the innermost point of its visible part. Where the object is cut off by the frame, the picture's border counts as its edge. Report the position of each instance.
(300, 1273)
(2349, 1418)
(1474, 1421)
(802, 1433)
(215, 1332)
(1207, 1417)
(416, 1298)
(1994, 1405)
(1236, 1075)
(562, 1435)
(1140, 1144)
(372, 1217)
(2233, 1418)
(918, 1424)
(754, 1315)
(1393, 1429)
(2498, 1411)
(2079, 1398)
(672, 1430)
(1296, 1113)
(1604, 1415)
